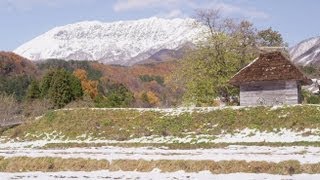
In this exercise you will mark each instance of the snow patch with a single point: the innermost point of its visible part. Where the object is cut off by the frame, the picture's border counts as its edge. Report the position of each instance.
(156, 174)
(229, 153)
(245, 135)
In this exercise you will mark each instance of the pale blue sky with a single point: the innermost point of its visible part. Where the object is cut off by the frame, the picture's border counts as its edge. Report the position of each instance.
(22, 20)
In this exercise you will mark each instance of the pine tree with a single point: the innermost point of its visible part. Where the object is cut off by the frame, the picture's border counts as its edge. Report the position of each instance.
(46, 83)
(60, 91)
(61, 87)
(33, 90)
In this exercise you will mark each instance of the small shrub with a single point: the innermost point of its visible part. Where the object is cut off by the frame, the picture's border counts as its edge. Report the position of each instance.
(313, 99)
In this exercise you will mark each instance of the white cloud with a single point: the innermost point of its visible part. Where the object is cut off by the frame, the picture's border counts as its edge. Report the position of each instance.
(177, 8)
(247, 12)
(125, 5)
(175, 13)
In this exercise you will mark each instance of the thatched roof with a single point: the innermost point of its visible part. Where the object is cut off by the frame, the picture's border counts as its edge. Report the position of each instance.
(269, 66)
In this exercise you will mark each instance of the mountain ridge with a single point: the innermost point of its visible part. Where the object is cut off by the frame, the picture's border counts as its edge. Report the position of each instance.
(121, 42)
(307, 52)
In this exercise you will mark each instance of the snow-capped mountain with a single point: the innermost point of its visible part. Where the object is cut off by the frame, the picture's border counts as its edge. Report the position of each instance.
(306, 52)
(122, 42)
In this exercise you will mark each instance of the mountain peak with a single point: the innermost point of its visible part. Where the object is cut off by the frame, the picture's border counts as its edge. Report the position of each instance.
(121, 42)
(307, 52)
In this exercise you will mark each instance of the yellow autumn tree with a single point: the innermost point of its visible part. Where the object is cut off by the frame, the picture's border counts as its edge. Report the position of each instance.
(89, 87)
(150, 98)
(153, 98)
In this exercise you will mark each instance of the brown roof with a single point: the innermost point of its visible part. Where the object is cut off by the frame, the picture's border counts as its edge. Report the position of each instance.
(269, 67)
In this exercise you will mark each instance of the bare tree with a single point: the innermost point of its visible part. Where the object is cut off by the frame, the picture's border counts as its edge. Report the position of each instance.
(246, 35)
(242, 35)
(35, 108)
(9, 110)
(210, 18)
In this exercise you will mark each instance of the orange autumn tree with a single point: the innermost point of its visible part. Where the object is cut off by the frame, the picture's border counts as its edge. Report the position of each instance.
(89, 87)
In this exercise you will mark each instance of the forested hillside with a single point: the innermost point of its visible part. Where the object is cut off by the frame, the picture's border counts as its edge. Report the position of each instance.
(36, 87)
(16, 74)
(12, 64)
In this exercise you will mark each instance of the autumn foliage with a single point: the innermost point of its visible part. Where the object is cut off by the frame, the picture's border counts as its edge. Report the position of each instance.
(151, 98)
(142, 80)
(12, 64)
(143, 85)
(16, 74)
(89, 87)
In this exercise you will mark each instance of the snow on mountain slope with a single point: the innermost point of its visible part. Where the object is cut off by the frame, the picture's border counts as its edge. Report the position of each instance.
(123, 42)
(306, 52)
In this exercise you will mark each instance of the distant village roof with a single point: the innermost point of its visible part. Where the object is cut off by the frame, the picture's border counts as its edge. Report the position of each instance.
(269, 66)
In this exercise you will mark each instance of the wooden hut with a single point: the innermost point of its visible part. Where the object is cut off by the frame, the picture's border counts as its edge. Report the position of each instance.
(271, 79)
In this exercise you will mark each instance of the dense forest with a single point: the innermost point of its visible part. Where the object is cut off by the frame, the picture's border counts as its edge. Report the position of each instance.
(137, 86)
(35, 87)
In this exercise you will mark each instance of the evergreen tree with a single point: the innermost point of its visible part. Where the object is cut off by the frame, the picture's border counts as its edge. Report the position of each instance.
(120, 96)
(16, 86)
(60, 91)
(61, 87)
(76, 87)
(115, 95)
(46, 83)
(33, 90)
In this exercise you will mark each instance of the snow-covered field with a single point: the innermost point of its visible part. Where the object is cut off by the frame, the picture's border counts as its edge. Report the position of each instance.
(234, 152)
(155, 174)
(246, 135)
(303, 154)
(105, 151)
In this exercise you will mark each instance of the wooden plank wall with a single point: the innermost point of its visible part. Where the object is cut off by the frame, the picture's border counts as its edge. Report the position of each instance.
(269, 93)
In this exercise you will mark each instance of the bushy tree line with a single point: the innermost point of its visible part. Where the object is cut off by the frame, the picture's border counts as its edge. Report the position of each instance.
(80, 77)
(15, 85)
(59, 86)
(62, 87)
(70, 66)
(114, 95)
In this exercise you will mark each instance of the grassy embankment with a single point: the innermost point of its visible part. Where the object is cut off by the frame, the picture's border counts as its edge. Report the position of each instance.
(123, 124)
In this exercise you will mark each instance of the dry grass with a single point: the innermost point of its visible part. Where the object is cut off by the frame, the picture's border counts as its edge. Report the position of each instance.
(179, 145)
(129, 145)
(24, 164)
(18, 164)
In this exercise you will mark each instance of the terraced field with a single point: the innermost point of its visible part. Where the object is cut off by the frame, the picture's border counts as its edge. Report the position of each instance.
(183, 143)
